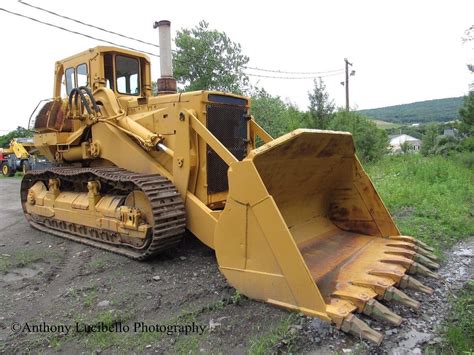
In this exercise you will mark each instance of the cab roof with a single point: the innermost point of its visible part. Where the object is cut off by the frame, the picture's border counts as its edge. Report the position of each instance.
(103, 49)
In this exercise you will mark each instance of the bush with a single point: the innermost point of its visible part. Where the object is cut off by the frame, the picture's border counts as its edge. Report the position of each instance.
(466, 159)
(371, 142)
(467, 144)
(446, 145)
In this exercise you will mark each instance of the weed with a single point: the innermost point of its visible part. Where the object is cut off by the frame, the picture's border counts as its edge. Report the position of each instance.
(459, 326)
(54, 342)
(187, 344)
(236, 298)
(280, 334)
(96, 265)
(90, 297)
(72, 293)
(24, 258)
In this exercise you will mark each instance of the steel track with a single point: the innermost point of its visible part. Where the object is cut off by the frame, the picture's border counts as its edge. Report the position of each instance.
(165, 201)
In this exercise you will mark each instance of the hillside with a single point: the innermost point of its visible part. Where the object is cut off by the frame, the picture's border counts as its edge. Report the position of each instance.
(440, 110)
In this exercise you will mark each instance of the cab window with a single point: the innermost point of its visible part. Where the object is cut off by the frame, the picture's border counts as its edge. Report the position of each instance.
(109, 71)
(70, 80)
(81, 72)
(127, 73)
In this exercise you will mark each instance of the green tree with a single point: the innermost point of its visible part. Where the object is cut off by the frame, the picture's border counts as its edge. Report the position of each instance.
(208, 60)
(428, 141)
(19, 132)
(467, 115)
(446, 145)
(321, 107)
(371, 142)
(274, 115)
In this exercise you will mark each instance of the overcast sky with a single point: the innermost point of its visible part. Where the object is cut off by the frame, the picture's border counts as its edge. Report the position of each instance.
(402, 51)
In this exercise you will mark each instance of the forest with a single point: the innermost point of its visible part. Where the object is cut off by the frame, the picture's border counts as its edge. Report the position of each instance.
(439, 110)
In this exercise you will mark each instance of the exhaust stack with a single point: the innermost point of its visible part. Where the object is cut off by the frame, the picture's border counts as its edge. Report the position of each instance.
(166, 83)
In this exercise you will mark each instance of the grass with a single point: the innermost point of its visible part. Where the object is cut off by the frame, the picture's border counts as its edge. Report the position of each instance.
(17, 175)
(458, 328)
(431, 198)
(23, 258)
(187, 344)
(128, 339)
(90, 297)
(266, 343)
(96, 265)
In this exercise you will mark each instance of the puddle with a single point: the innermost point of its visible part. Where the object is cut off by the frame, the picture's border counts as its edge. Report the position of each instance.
(21, 273)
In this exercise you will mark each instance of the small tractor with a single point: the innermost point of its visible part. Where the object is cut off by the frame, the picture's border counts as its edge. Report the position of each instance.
(295, 222)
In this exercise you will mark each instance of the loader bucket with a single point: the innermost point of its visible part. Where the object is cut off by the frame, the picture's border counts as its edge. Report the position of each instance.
(304, 228)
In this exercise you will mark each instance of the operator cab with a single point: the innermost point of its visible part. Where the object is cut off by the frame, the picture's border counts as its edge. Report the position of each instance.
(125, 72)
(122, 74)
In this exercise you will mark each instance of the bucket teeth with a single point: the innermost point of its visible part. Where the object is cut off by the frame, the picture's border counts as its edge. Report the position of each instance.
(404, 238)
(377, 284)
(353, 325)
(426, 253)
(401, 252)
(412, 283)
(378, 311)
(423, 245)
(359, 296)
(391, 274)
(425, 261)
(401, 244)
(417, 268)
(394, 294)
(399, 260)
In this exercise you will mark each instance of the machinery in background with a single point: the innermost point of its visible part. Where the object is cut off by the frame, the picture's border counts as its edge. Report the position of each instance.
(21, 155)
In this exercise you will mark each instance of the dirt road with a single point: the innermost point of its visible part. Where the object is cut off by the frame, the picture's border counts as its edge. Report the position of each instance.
(60, 296)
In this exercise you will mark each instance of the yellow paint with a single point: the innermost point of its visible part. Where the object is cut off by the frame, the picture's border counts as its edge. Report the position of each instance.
(301, 225)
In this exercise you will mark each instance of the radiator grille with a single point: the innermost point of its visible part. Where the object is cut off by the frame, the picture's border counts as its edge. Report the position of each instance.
(229, 125)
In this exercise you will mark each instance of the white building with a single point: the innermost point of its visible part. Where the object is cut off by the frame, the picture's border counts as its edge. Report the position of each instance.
(396, 142)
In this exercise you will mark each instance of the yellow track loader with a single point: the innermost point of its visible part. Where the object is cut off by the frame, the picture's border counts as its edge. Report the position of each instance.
(20, 156)
(295, 222)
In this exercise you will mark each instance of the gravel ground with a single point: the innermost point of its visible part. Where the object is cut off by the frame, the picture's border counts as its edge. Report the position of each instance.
(46, 279)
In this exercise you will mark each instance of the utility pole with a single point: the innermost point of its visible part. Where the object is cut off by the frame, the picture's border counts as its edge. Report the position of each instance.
(347, 82)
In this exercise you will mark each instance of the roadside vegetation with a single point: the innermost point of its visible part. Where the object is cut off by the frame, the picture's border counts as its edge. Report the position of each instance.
(278, 339)
(458, 328)
(431, 198)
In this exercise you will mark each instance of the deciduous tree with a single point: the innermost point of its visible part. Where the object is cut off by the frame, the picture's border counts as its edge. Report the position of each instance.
(371, 142)
(209, 60)
(19, 132)
(467, 115)
(429, 139)
(321, 107)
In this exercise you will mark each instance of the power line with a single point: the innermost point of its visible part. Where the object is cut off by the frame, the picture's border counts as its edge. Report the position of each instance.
(294, 77)
(75, 32)
(157, 46)
(322, 74)
(88, 24)
(293, 72)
